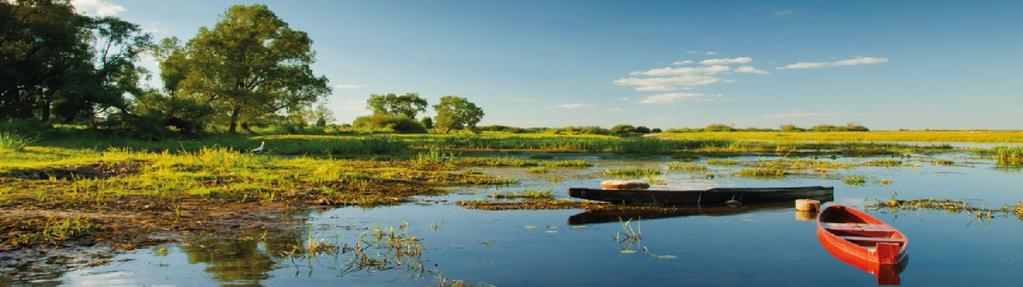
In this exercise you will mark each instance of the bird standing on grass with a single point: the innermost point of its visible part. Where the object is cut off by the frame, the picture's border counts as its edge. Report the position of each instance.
(260, 148)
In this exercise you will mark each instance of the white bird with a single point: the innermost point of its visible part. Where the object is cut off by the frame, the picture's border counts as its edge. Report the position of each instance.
(260, 148)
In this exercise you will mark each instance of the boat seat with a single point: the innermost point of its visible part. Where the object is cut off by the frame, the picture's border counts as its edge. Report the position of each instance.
(873, 239)
(858, 227)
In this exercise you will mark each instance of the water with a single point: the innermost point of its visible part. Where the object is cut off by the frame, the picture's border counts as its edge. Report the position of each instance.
(766, 246)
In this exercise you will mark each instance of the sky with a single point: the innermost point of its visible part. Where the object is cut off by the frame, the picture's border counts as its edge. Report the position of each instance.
(666, 64)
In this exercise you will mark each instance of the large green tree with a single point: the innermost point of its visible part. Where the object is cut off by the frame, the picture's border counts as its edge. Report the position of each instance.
(251, 64)
(54, 61)
(455, 113)
(406, 105)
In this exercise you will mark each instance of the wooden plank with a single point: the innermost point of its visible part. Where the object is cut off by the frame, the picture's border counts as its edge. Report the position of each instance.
(873, 239)
(858, 227)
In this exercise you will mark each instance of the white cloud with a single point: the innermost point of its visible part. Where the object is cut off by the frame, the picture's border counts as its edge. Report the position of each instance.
(678, 97)
(801, 115)
(685, 62)
(844, 62)
(727, 61)
(573, 106)
(667, 83)
(749, 70)
(97, 7)
(348, 86)
(677, 71)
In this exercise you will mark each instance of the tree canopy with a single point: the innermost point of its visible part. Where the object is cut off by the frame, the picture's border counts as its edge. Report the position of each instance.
(455, 113)
(406, 105)
(251, 64)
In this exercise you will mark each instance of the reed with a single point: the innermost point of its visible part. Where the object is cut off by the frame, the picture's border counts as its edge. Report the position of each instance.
(761, 172)
(687, 167)
(855, 180)
(632, 172)
(525, 194)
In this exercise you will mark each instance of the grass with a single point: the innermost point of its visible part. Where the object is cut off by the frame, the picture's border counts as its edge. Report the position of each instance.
(855, 180)
(525, 194)
(687, 167)
(722, 162)
(1008, 155)
(762, 172)
(942, 162)
(871, 136)
(50, 230)
(632, 172)
(947, 205)
(15, 142)
(883, 163)
(800, 164)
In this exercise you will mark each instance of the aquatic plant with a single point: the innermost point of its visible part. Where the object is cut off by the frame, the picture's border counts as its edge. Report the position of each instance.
(883, 163)
(1008, 155)
(525, 194)
(722, 162)
(687, 167)
(761, 172)
(632, 172)
(855, 180)
(538, 169)
(947, 205)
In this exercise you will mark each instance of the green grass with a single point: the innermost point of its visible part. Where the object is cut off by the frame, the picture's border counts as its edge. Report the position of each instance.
(1008, 155)
(14, 142)
(871, 136)
(722, 162)
(525, 194)
(883, 163)
(942, 162)
(855, 180)
(762, 172)
(800, 164)
(686, 166)
(632, 172)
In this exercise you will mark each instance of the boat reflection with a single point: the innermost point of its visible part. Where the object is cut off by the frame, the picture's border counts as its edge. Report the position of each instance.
(886, 274)
(647, 213)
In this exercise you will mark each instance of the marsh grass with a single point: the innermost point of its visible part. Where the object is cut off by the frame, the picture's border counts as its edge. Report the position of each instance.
(525, 194)
(687, 167)
(942, 162)
(10, 141)
(722, 162)
(947, 205)
(538, 169)
(632, 172)
(855, 180)
(883, 163)
(1007, 155)
(796, 165)
(47, 230)
(762, 172)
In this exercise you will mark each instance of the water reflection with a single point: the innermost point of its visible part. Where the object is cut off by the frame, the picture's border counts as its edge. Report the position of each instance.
(240, 260)
(886, 274)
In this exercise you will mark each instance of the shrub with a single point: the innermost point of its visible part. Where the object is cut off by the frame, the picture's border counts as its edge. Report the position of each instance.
(388, 123)
(718, 128)
(14, 142)
(790, 128)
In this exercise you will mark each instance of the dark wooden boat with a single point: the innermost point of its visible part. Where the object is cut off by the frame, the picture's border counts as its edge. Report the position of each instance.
(719, 195)
(863, 241)
(653, 213)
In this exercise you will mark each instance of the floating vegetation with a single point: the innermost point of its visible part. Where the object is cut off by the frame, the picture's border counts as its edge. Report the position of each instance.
(391, 249)
(566, 163)
(942, 162)
(538, 170)
(525, 194)
(553, 178)
(883, 163)
(800, 164)
(760, 172)
(884, 181)
(948, 205)
(722, 162)
(632, 172)
(855, 180)
(528, 204)
(687, 167)
(518, 162)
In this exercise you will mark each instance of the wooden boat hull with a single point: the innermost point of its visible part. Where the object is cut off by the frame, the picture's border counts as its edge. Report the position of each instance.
(719, 195)
(863, 241)
(616, 215)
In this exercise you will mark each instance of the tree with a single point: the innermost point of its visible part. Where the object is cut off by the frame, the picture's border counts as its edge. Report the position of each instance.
(623, 129)
(54, 61)
(249, 65)
(406, 105)
(323, 115)
(456, 113)
(427, 123)
(790, 128)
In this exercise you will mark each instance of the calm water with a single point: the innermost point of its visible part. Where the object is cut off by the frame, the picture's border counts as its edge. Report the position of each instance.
(514, 248)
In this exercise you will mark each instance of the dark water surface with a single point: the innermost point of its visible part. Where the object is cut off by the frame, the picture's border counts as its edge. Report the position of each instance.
(759, 247)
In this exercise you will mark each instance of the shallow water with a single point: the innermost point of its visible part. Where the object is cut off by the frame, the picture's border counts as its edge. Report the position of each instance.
(766, 246)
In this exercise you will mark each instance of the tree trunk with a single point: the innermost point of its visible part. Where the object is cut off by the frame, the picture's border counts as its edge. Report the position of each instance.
(233, 128)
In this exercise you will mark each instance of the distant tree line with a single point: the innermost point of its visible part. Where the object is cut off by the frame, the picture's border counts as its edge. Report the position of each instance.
(397, 113)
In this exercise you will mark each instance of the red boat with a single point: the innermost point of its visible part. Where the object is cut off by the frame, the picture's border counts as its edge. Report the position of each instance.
(863, 241)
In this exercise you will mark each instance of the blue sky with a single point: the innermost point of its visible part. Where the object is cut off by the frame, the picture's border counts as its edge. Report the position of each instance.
(884, 64)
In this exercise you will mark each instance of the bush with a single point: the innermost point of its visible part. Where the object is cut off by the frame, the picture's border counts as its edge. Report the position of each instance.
(623, 130)
(847, 128)
(388, 123)
(790, 128)
(719, 128)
